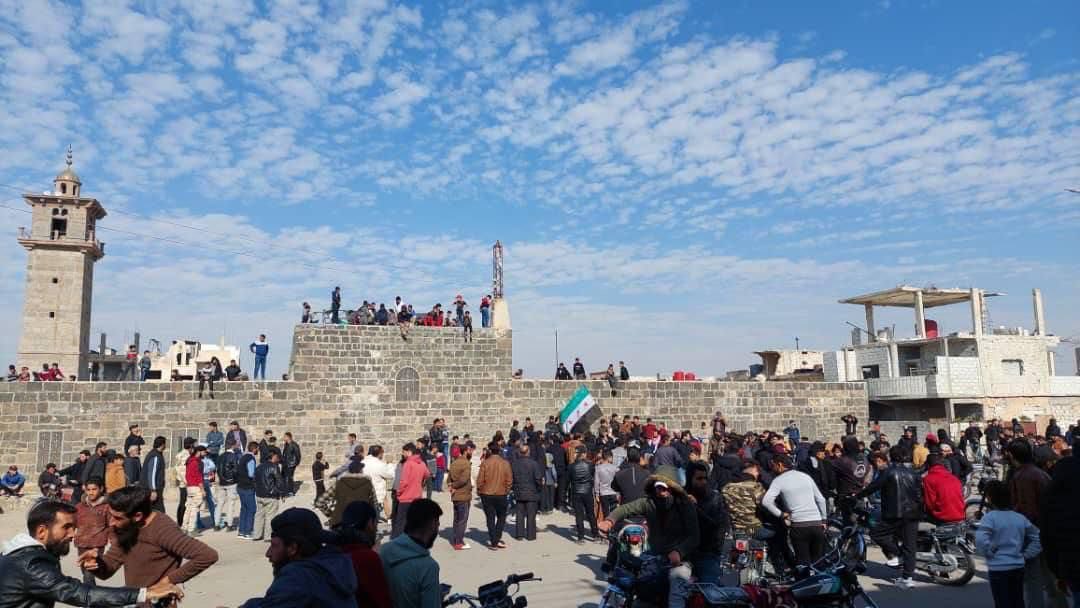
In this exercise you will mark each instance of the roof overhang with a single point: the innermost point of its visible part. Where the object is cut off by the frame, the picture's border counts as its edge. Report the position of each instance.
(904, 296)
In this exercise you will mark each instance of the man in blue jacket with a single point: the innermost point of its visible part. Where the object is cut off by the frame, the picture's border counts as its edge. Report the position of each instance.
(261, 349)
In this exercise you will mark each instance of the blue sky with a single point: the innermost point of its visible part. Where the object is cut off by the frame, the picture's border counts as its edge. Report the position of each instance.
(676, 184)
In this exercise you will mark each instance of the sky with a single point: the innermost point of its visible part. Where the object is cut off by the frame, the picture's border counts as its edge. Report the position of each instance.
(676, 184)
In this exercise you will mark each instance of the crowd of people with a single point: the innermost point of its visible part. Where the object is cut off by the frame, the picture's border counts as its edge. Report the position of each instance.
(401, 314)
(48, 373)
(694, 489)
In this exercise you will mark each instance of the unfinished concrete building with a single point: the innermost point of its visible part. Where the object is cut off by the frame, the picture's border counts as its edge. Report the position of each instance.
(978, 374)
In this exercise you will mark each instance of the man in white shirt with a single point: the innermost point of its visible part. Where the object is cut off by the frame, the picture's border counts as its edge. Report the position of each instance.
(381, 474)
(806, 512)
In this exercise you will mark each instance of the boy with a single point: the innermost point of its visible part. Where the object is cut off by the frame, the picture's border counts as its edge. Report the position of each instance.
(1007, 539)
(318, 468)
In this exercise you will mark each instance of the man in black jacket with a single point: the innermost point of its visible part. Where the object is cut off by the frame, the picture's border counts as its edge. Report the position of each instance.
(152, 475)
(581, 475)
(712, 524)
(562, 472)
(73, 475)
(30, 575)
(528, 483)
(630, 481)
(820, 469)
(290, 454)
(901, 511)
(269, 490)
(95, 466)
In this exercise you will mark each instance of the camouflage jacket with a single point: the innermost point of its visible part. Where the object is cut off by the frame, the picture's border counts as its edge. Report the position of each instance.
(742, 499)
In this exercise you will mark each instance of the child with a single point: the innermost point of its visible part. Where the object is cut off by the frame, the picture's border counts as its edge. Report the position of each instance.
(1007, 539)
(317, 469)
(440, 469)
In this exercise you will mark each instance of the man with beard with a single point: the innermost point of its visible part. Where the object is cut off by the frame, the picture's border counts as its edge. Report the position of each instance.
(411, 572)
(673, 530)
(712, 523)
(30, 567)
(308, 573)
(147, 544)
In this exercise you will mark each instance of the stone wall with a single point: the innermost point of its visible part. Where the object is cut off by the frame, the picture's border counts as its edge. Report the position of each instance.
(371, 381)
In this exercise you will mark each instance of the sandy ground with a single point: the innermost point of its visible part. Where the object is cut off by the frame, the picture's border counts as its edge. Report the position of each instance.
(570, 572)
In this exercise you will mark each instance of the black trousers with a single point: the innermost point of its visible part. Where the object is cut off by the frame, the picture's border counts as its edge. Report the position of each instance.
(808, 543)
(398, 525)
(608, 502)
(320, 487)
(547, 498)
(889, 531)
(461, 521)
(495, 512)
(561, 486)
(180, 508)
(159, 504)
(289, 473)
(525, 522)
(583, 511)
(1007, 588)
(203, 382)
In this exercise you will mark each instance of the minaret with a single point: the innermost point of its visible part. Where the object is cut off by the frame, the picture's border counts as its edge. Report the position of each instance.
(62, 247)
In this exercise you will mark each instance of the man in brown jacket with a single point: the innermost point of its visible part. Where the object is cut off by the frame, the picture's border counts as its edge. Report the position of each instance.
(148, 545)
(92, 519)
(493, 484)
(1027, 483)
(460, 479)
(349, 488)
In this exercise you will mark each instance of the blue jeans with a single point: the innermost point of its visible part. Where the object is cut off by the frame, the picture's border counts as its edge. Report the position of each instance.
(485, 317)
(260, 368)
(246, 525)
(208, 495)
(144, 373)
(707, 568)
(438, 481)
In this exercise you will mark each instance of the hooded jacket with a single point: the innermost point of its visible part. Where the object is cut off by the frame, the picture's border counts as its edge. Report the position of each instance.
(943, 495)
(350, 488)
(672, 529)
(324, 580)
(30, 577)
(411, 572)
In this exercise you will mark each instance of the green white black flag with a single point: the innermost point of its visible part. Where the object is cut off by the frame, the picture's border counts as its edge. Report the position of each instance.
(581, 408)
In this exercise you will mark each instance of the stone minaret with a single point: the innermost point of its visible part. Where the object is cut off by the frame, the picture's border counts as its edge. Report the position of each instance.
(62, 247)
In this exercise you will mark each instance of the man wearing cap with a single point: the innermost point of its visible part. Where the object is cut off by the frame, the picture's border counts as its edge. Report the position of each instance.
(673, 529)
(308, 572)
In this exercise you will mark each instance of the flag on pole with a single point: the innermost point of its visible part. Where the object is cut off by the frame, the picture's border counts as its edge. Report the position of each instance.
(580, 409)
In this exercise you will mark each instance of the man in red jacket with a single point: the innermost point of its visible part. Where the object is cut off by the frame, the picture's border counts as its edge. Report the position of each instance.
(413, 473)
(943, 494)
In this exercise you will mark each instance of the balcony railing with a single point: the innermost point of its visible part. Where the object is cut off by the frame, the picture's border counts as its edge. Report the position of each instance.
(1064, 385)
(907, 387)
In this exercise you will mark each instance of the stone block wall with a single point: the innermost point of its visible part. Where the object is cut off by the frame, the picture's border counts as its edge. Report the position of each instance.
(370, 381)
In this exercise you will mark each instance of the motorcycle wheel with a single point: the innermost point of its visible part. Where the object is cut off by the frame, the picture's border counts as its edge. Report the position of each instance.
(965, 567)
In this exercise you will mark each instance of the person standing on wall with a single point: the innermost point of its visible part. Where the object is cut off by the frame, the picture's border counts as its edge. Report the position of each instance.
(261, 349)
(335, 305)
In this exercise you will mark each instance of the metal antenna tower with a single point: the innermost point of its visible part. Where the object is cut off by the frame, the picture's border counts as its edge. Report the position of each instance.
(497, 270)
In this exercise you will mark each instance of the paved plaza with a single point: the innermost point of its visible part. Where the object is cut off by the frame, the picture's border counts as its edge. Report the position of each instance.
(570, 571)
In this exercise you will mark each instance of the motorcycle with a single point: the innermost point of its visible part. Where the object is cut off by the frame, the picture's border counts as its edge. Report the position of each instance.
(944, 552)
(833, 581)
(640, 578)
(749, 557)
(496, 594)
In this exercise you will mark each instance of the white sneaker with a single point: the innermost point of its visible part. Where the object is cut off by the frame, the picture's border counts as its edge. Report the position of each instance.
(465, 546)
(904, 582)
(893, 562)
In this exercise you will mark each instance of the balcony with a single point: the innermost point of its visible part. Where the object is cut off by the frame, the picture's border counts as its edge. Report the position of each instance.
(953, 377)
(1064, 386)
(55, 239)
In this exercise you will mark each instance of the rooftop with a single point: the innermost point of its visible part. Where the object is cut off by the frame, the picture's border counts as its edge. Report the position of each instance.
(904, 296)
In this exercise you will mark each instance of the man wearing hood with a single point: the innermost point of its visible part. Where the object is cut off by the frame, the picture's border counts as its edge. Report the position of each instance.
(307, 572)
(30, 574)
(413, 575)
(673, 529)
(351, 487)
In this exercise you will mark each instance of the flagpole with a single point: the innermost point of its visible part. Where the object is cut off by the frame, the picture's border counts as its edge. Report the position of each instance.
(556, 348)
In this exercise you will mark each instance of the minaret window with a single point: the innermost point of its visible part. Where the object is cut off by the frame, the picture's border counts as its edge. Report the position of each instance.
(63, 188)
(59, 228)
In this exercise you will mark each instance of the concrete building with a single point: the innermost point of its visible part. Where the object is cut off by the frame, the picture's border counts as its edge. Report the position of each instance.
(62, 248)
(789, 362)
(980, 373)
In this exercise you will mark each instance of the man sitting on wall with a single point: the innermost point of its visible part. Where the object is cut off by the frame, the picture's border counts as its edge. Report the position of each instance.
(12, 483)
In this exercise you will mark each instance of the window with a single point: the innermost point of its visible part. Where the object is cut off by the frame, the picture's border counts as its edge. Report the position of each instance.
(408, 384)
(52, 315)
(63, 188)
(1012, 367)
(59, 228)
(55, 280)
(870, 372)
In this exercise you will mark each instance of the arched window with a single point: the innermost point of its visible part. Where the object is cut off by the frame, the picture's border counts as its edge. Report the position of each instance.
(407, 384)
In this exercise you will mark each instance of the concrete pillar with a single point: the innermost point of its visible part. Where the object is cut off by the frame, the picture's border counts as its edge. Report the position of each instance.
(976, 312)
(500, 314)
(1040, 317)
(894, 360)
(870, 322)
(920, 316)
